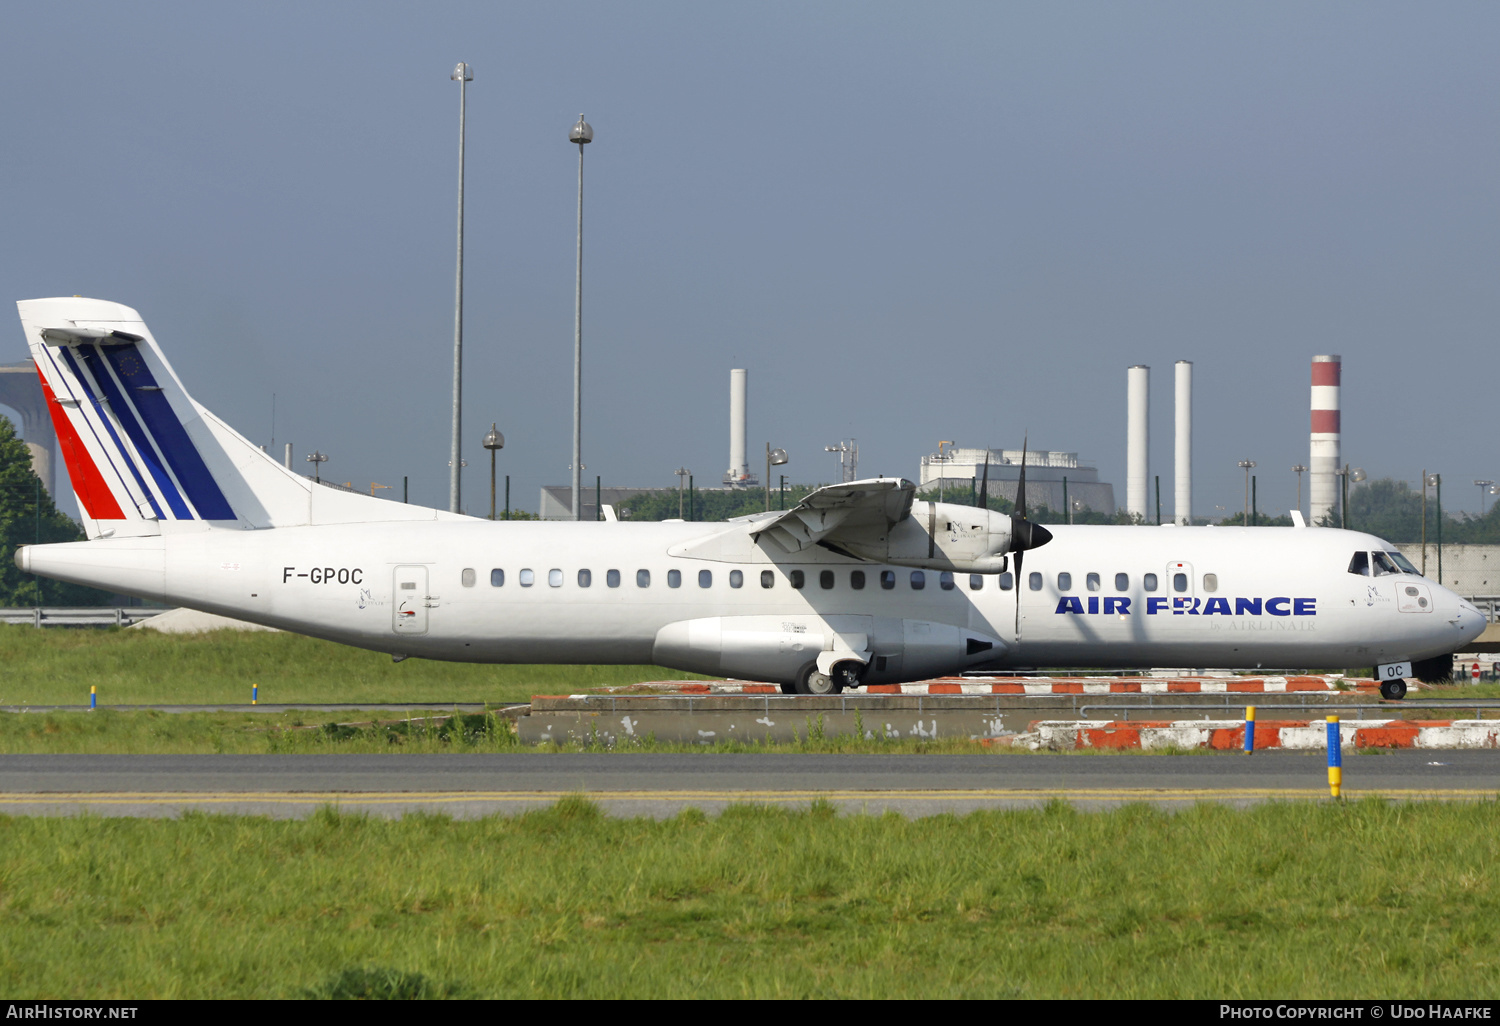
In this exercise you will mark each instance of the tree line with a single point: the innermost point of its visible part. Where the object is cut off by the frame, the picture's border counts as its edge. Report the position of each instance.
(29, 517)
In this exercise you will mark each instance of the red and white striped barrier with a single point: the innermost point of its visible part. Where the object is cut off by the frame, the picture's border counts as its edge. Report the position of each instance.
(1032, 686)
(1229, 735)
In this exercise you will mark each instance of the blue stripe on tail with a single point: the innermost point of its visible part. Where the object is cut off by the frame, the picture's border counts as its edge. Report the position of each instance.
(123, 414)
(119, 447)
(171, 437)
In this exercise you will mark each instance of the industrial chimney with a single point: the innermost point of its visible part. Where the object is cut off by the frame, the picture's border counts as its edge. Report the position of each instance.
(1323, 466)
(739, 465)
(1183, 458)
(1137, 439)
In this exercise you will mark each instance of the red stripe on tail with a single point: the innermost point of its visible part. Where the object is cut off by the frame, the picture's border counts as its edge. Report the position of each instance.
(97, 499)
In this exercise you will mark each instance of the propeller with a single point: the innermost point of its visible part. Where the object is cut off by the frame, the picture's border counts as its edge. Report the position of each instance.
(984, 483)
(1023, 533)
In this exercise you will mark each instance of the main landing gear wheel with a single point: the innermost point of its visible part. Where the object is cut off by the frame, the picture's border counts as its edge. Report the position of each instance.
(841, 675)
(1395, 690)
(814, 683)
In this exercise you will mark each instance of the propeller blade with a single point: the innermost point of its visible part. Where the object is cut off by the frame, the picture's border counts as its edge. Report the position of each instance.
(984, 483)
(1017, 588)
(1021, 488)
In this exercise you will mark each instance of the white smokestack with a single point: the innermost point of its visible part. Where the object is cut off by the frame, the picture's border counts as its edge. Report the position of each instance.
(287, 460)
(1137, 438)
(1183, 458)
(739, 466)
(1323, 466)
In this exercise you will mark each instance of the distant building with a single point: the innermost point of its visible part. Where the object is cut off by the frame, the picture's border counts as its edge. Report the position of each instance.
(960, 469)
(21, 390)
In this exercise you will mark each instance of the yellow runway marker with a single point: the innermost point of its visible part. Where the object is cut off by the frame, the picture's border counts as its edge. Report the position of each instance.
(688, 797)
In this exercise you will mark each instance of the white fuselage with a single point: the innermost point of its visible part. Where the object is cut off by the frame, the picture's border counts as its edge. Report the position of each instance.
(691, 596)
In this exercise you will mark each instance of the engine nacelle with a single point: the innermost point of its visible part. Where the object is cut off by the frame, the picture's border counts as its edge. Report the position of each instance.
(942, 536)
(781, 648)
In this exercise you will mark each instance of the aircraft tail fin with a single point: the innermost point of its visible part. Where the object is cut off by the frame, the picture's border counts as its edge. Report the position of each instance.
(143, 456)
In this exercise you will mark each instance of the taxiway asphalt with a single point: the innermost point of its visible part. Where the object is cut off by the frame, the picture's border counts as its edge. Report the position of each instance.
(663, 785)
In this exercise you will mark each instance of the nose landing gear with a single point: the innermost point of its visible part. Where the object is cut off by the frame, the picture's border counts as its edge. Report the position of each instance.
(1393, 689)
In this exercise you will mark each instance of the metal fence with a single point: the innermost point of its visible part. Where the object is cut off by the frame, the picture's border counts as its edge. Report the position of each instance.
(1489, 605)
(80, 616)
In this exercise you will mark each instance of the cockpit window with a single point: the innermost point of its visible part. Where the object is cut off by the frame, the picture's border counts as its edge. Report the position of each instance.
(1360, 564)
(1384, 564)
(1403, 563)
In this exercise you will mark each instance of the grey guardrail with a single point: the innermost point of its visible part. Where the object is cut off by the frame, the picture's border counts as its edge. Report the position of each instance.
(78, 616)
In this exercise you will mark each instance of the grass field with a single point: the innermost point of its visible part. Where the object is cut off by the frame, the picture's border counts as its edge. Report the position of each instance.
(136, 667)
(1285, 900)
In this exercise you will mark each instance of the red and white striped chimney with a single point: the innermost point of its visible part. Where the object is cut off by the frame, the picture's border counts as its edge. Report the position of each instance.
(1323, 466)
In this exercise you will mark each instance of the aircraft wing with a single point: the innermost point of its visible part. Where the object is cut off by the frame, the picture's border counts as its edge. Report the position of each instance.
(837, 510)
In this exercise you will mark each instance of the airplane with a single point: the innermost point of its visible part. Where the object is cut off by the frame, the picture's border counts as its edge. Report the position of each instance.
(859, 584)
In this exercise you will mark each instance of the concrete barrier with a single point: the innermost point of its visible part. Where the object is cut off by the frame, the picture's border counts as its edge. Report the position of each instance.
(707, 717)
(1038, 686)
(1229, 735)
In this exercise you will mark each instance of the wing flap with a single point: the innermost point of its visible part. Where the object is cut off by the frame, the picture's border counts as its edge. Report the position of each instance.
(835, 510)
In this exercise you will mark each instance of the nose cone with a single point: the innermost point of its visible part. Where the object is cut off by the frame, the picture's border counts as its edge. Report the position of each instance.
(1471, 623)
(23, 559)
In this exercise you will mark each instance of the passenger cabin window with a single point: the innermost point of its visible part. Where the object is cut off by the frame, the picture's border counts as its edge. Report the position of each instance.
(527, 578)
(1091, 582)
(918, 580)
(1148, 582)
(1179, 582)
(1034, 581)
(1122, 582)
(1383, 564)
(1007, 581)
(705, 578)
(825, 579)
(887, 579)
(674, 578)
(612, 578)
(497, 578)
(976, 582)
(643, 578)
(585, 578)
(767, 578)
(554, 578)
(857, 580)
(736, 579)
(1210, 582)
(1064, 582)
(945, 581)
(798, 578)
(468, 577)
(1360, 564)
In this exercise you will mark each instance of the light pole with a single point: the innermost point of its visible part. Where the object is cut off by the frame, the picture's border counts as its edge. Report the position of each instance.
(317, 459)
(1356, 475)
(1246, 465)
(1299, 470)
(774, 458)
(463, 75)
(493, 442)
(1433, 481)
(582, 134)
(682, 474)
(1490, 485)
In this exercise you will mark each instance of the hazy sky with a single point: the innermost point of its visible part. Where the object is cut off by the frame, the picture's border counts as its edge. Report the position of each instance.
(911, 222)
